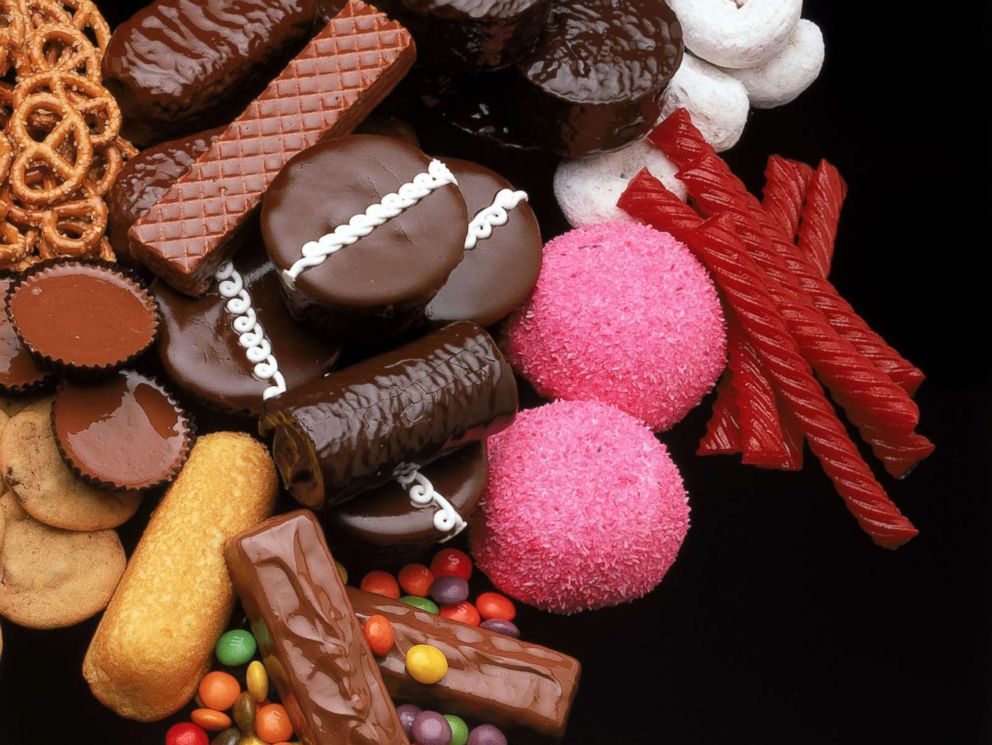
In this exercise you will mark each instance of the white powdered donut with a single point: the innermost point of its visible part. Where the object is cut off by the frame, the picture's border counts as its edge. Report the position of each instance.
(718, 103)
(782, 78)
(588, 189)
(737, 33)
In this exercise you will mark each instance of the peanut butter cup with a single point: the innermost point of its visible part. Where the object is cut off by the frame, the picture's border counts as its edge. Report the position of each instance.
(19, 370)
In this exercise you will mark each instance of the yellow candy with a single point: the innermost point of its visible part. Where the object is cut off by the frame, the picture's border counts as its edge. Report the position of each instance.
(342, 570)
(258, 681)
(426, 664)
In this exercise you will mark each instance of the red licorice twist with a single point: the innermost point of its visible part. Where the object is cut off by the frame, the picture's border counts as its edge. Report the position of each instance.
(821, 216)
(786, 184)
(723, 431)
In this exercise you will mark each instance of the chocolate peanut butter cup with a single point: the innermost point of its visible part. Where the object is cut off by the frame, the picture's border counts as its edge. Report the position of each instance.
(122, 433)
(81, 316)
(19, 370)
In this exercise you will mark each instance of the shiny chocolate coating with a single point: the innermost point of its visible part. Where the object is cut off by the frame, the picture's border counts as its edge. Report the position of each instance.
(201, 350)
(525, 689)
(341, 435)
(180, 66)
(499, 272)
(144, 179)
(378, 286)
(308, 636)
(481, 34)
(20, 372)
(385, 516)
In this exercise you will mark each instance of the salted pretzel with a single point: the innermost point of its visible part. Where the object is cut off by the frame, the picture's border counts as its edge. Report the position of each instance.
(87, 18)
(61, 47)
(12, 28)
(87, 97)
(74, 228)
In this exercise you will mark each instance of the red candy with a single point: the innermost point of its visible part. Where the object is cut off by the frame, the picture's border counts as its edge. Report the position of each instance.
(380, 583)
(462, 612)
(416, 579)
(452, 563)
(493, 605)
(379, 634)
(186, 733)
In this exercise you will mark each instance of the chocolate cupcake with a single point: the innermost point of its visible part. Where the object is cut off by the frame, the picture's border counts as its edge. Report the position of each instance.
(19, 370)
(123, 433)
(84, 317)
(364, 231)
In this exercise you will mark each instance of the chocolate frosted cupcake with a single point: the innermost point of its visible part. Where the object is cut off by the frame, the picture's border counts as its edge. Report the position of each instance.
(124, 433)
(82, 317)
(19, 370)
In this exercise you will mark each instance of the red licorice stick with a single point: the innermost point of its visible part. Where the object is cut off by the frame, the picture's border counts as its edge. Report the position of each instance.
(722, 251)
(684, 145)
(786, 184)
(723, 431)
(821, 216)
(792, 433)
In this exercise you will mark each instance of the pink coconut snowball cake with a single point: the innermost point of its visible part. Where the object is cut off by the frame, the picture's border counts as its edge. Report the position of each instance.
(584, 508)
(624, 314)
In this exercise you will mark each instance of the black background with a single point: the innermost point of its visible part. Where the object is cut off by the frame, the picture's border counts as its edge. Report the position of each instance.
(781, 622)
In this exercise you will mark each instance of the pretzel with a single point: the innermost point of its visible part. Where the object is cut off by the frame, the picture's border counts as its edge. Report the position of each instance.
(12, 28)
(15, 245)
(62, 47)
(85, 96)
(87, 17)
(74, 228)
(6, 155)
(40, 12)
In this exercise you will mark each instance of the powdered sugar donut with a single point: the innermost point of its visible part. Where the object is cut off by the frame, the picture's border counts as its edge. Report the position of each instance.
(782, 78)
(624, 314)
(587, 189)
(737, 33)
(584, 509)
(718, 103)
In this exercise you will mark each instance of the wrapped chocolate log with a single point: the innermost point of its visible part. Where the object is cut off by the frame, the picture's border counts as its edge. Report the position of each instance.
(358, 428)
(365, 230)
(180, 66)
(308, 635)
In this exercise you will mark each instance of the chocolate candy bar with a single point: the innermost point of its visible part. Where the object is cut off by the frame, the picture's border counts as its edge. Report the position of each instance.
(178, 66)
(338, 78)
(309, 637)
(524, 689)
(348, 432)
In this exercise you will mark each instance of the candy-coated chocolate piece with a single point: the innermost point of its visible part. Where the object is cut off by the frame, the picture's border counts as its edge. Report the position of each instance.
(426, 664)
(450, 562)
(449, 590)
(20, 372)
(210, 719)
(407, 713)
(422, 603)
(430, 728)
(416, 579)
(493, 605)
(230, 736)
(487, 734)
(379, 634)
(235, 647)
(463, 612)
(245, 713)
(272, 723)
(257, 680)
(342, 571)
(381, 583)
(185, 733)
(459, 730)
(219, 690)
(502, 626)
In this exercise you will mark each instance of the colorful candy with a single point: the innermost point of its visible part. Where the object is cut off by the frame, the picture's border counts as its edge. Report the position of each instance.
(426, 664)
(422, 603)
(430, 728)
(245, 712)
(486, 734)
(501, 626)
(416, 579)
(342, 571)
(380, 583)
(821, 216)
(185, 733)
(219, 690)
(230, 736)
(459, 730)
(462, 612)
(451, 562)
(272, 723)
(492, 605)
(235, 647)
(379, 634)
(257, 679)
(210, 719)
(449, 590)
(407, 713)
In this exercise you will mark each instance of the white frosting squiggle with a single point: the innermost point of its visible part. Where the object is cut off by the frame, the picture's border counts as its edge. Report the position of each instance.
(446, 518)
(359, 226)
(493, 216)
(251, 335)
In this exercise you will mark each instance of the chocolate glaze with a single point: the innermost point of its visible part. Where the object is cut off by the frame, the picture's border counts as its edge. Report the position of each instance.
(347, 433)
(379, 286)
(499, 273)
(179, 66)
(487, 34)
(525, 689)
(200, 348)
(144, 179)
(309, 638)
(121, 433)
(19, 371)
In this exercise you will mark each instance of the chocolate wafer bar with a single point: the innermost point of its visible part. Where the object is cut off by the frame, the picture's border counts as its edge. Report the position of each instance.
(325, 91)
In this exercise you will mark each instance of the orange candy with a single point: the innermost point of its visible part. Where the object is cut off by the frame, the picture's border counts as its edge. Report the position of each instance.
(210, 719)
(463, 612)
(219, 690)
(493, 605)
(416, 579)
(272, 723)
(381, 583)
(379, 634)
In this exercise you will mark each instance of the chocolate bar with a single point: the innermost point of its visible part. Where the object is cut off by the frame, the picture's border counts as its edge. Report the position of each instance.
(348, 432)
(338, 78)
(309, 638)
(524, 689)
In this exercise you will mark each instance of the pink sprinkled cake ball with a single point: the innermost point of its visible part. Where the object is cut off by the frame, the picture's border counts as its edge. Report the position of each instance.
(625, 314)
(584, 508)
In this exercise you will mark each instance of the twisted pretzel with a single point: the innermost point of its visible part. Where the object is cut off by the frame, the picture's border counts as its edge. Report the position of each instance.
(86, 97)
(64, 48)
(87, 18)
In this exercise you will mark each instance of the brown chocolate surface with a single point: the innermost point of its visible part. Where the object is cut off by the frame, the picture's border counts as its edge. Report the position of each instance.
(123, 433)
(19, 370)
(499, 273)
(308, 636)
(179, 66)
(338, 78)
(347, 433)
(385, 516)
(201, 350)
(389, 126)
(525, 689)
(82, 315)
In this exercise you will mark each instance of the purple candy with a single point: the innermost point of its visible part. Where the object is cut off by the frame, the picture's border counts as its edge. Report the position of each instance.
(486, 734)
(506, 628)
(407, 714)
(449, 590)
(430, 728)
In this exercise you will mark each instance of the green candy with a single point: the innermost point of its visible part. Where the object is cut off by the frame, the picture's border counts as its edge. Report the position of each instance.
(235, 648)
(422, 603)
(459, 730)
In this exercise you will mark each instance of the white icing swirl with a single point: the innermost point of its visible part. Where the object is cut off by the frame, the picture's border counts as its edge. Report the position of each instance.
(359, 226)
(422, 493)
(493, 216)
(251, 335)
